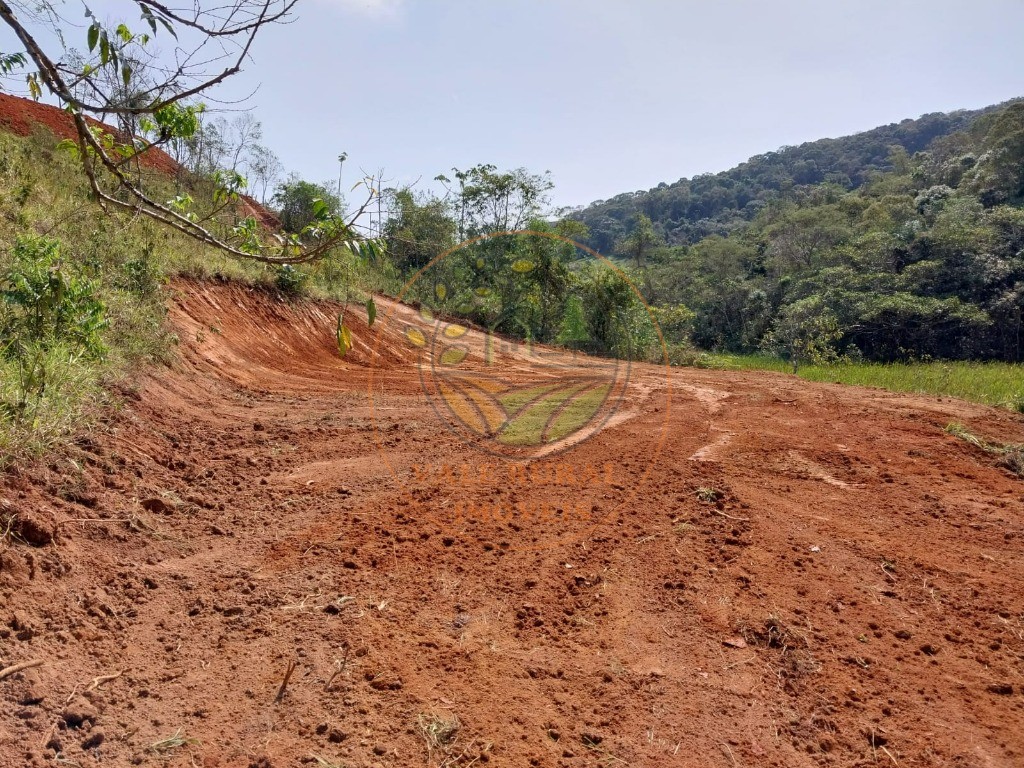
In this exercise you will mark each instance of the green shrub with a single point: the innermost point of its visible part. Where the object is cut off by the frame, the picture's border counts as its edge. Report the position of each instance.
(51, 312)
(141, 275)
(48, 299)
(681, 354)
(290, 281)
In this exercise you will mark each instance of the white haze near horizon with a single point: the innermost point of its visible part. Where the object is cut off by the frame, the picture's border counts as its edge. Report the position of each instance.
(610, 96)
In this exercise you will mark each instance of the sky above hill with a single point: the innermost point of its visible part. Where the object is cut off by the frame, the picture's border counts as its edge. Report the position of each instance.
(609, 95)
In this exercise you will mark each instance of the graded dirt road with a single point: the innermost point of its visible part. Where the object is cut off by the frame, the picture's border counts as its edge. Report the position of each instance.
(798, 575)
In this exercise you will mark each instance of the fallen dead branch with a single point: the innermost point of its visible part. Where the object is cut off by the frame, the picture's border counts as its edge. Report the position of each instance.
(98, 681)
(16, 668)
(95, 520)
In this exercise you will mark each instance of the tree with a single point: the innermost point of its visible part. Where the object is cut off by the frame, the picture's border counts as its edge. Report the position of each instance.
(543, 261)
(202, 152)
(418, 230)
(264, 167)
(211, 42)
(998, 176)
(613, 312)
(243, 132)
(805, 332)
(489, 282)
(488, 200)
(300, 203)
(639, 243)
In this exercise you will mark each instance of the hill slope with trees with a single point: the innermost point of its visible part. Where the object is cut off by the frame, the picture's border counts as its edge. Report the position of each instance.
(718, 203)
(889, 255)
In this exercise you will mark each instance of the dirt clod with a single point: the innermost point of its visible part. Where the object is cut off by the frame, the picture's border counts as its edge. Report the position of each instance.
(94, 739)
(36, 528)
(79, 711)
(157, 506)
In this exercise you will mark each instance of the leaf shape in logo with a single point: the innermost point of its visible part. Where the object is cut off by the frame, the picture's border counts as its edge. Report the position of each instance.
(576, 413)
(475, 408)
(455, 331)
(453, 355)
(415, 337)
(528, 426)
(343, 337)
(522, 266)
(517, 398)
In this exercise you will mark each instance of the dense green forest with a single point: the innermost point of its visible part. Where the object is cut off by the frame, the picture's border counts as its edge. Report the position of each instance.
(889, 255)
(923, 260)
(719, 203)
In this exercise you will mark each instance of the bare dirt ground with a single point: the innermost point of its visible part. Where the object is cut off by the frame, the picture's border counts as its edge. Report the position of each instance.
(849, 591)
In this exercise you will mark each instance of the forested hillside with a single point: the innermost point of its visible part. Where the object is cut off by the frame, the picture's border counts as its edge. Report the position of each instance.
(719, 203)
(924, 259)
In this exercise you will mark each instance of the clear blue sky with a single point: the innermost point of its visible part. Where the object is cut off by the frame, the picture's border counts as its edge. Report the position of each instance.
(611, 95)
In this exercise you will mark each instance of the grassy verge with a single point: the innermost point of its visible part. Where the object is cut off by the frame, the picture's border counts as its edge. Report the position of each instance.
(998, 384)
(52, 388)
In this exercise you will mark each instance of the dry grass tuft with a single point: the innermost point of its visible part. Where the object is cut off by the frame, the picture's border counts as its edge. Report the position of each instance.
(175, 741)
(441, 735)
(438, 732)
(1007, 455)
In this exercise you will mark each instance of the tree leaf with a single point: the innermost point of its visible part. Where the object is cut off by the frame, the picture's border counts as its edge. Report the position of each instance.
(33, 86)
(94, 36)
(147, 14)
(344, 337)
(168, 27)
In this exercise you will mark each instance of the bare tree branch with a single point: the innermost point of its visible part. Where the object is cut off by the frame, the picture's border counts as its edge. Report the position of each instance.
(122, 78)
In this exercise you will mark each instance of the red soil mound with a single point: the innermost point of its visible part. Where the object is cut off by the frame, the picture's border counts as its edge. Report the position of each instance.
(847, 593)
(20, 116)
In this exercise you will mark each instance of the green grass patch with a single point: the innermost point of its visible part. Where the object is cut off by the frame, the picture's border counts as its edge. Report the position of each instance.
(998, 384)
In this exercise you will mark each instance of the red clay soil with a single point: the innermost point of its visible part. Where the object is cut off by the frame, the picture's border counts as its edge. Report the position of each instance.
(848, 593)
(21, 116)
